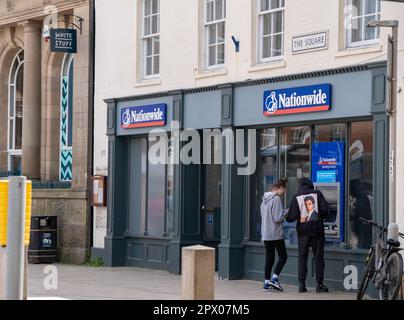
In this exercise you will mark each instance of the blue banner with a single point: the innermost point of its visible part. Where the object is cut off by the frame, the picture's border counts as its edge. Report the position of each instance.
(145, 116)
(297, 100)
(328, 170)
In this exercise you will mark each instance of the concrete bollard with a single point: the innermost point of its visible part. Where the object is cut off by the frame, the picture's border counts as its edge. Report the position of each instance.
(198, 273)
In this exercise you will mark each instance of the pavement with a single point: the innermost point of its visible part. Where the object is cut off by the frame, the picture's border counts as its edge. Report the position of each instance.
(91, 283)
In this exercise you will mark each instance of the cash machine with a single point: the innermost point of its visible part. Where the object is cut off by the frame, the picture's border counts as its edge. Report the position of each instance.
(328, 175)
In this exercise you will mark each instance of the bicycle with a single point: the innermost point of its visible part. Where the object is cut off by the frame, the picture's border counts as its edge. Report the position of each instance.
(384, 265)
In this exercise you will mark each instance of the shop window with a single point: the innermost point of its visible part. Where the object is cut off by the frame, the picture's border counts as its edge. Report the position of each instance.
(15, 113)
(151, 38)
(330, 133)
(265, 177)
(294, 164)
(156, 188)
(153, 188)
(66, 120)
(360, 184)
(215, 31)
(361, 12)
(271, 29)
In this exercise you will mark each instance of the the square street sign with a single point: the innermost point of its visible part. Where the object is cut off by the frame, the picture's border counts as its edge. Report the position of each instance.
(63, 40)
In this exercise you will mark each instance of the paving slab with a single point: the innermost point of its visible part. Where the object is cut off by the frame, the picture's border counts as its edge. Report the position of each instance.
(90, 283)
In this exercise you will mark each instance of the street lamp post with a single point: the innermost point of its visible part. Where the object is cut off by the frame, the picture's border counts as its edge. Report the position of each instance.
(391, 108)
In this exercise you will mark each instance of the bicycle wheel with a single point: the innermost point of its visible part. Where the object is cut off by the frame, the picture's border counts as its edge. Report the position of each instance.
(394, 273)
(367, 276)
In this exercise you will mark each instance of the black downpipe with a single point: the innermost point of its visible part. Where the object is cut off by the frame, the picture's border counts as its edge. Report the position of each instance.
(90, 138)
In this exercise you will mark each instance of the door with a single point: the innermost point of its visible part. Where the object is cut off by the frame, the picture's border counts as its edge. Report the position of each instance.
(211, 205)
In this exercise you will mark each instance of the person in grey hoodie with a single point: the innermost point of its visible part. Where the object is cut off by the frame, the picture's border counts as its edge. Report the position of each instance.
(272, 218)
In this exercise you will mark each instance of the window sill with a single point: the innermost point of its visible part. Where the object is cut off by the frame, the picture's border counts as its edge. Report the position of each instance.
(148, 82)
(211, 73)
(359, 50)
(276, 64)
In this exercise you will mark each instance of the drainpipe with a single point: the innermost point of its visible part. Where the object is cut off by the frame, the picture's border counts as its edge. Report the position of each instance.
(90, 138)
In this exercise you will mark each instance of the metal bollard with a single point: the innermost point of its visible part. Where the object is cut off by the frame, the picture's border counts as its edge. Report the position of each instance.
(15, 238)
(198, 273)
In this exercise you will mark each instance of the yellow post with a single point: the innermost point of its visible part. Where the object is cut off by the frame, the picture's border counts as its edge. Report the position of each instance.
(3, 231)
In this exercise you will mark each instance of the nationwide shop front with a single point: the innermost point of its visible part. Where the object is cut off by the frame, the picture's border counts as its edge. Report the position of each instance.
(329, 126)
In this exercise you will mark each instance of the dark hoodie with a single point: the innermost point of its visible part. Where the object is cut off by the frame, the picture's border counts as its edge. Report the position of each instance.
(309, 228)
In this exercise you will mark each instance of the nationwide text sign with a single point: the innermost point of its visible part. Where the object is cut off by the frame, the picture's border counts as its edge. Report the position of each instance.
(63, 40)
(297, 100)
(145, 116)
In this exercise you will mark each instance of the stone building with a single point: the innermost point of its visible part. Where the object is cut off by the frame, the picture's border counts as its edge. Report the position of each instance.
(213, 65)
(45, 113)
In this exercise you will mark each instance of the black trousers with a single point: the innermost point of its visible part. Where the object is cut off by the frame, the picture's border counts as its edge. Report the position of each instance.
(270, 247)
(317, 245)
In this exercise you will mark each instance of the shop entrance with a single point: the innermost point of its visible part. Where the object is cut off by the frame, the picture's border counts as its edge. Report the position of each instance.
(211, 189)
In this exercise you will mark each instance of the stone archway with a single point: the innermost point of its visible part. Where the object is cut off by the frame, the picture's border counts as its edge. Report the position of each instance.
(51, 70)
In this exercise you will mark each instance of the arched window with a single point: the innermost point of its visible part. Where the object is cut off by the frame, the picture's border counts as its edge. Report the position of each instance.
(66, 119)
(15, 107)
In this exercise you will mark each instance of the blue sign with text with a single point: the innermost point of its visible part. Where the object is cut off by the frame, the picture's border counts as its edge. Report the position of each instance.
(328, 170)
(145, 116)
(297, 100)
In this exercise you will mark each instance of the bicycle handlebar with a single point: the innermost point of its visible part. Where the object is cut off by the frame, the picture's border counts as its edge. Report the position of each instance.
(374, 224)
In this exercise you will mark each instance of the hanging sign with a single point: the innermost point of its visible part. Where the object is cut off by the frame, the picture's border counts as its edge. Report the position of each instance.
(297, 100)
(63, 40)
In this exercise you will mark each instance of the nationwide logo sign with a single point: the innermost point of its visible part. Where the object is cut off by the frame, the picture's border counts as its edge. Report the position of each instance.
(145, 116)
(327, 161)
(297, 100)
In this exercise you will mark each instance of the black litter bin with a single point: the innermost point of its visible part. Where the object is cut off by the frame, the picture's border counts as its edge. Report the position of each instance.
(43, 242)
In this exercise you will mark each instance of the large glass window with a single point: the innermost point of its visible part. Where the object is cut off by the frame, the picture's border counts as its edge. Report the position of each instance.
(360, 183)
(15, 113)
(215, 25)
(264, 179)
(362, 11)
(66, 120)
(156, 196)
(271, 28)
(151, 38)
(295, 164)
(153, 185)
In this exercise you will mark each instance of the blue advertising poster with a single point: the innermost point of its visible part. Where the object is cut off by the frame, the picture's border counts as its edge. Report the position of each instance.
(144, 116)
(328, 172)
(297, 100)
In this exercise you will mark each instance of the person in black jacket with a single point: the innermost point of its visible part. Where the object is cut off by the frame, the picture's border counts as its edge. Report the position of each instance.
(309, 208)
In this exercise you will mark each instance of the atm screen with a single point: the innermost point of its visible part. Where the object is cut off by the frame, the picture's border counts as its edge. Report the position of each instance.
(331, 192)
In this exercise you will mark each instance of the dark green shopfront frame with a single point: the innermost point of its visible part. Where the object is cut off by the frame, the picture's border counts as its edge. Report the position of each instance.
(238, 258)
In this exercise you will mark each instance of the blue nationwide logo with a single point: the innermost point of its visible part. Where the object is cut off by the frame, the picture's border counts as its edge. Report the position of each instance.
(297, 100)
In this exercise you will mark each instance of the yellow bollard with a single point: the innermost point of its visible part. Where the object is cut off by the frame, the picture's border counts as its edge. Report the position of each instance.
(4, 208)
(3, 230)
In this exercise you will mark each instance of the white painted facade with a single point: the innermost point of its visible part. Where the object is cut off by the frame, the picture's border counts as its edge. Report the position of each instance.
(118, 63)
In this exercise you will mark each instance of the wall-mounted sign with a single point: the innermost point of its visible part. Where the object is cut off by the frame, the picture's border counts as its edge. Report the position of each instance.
(310, 42)
(145, 116)
(297, 100)
(63, 40)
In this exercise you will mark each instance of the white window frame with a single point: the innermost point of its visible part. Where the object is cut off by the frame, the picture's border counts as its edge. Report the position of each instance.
(152, 36)
(349, 43)
(206, 32)
(13, 152)
(260, 29)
